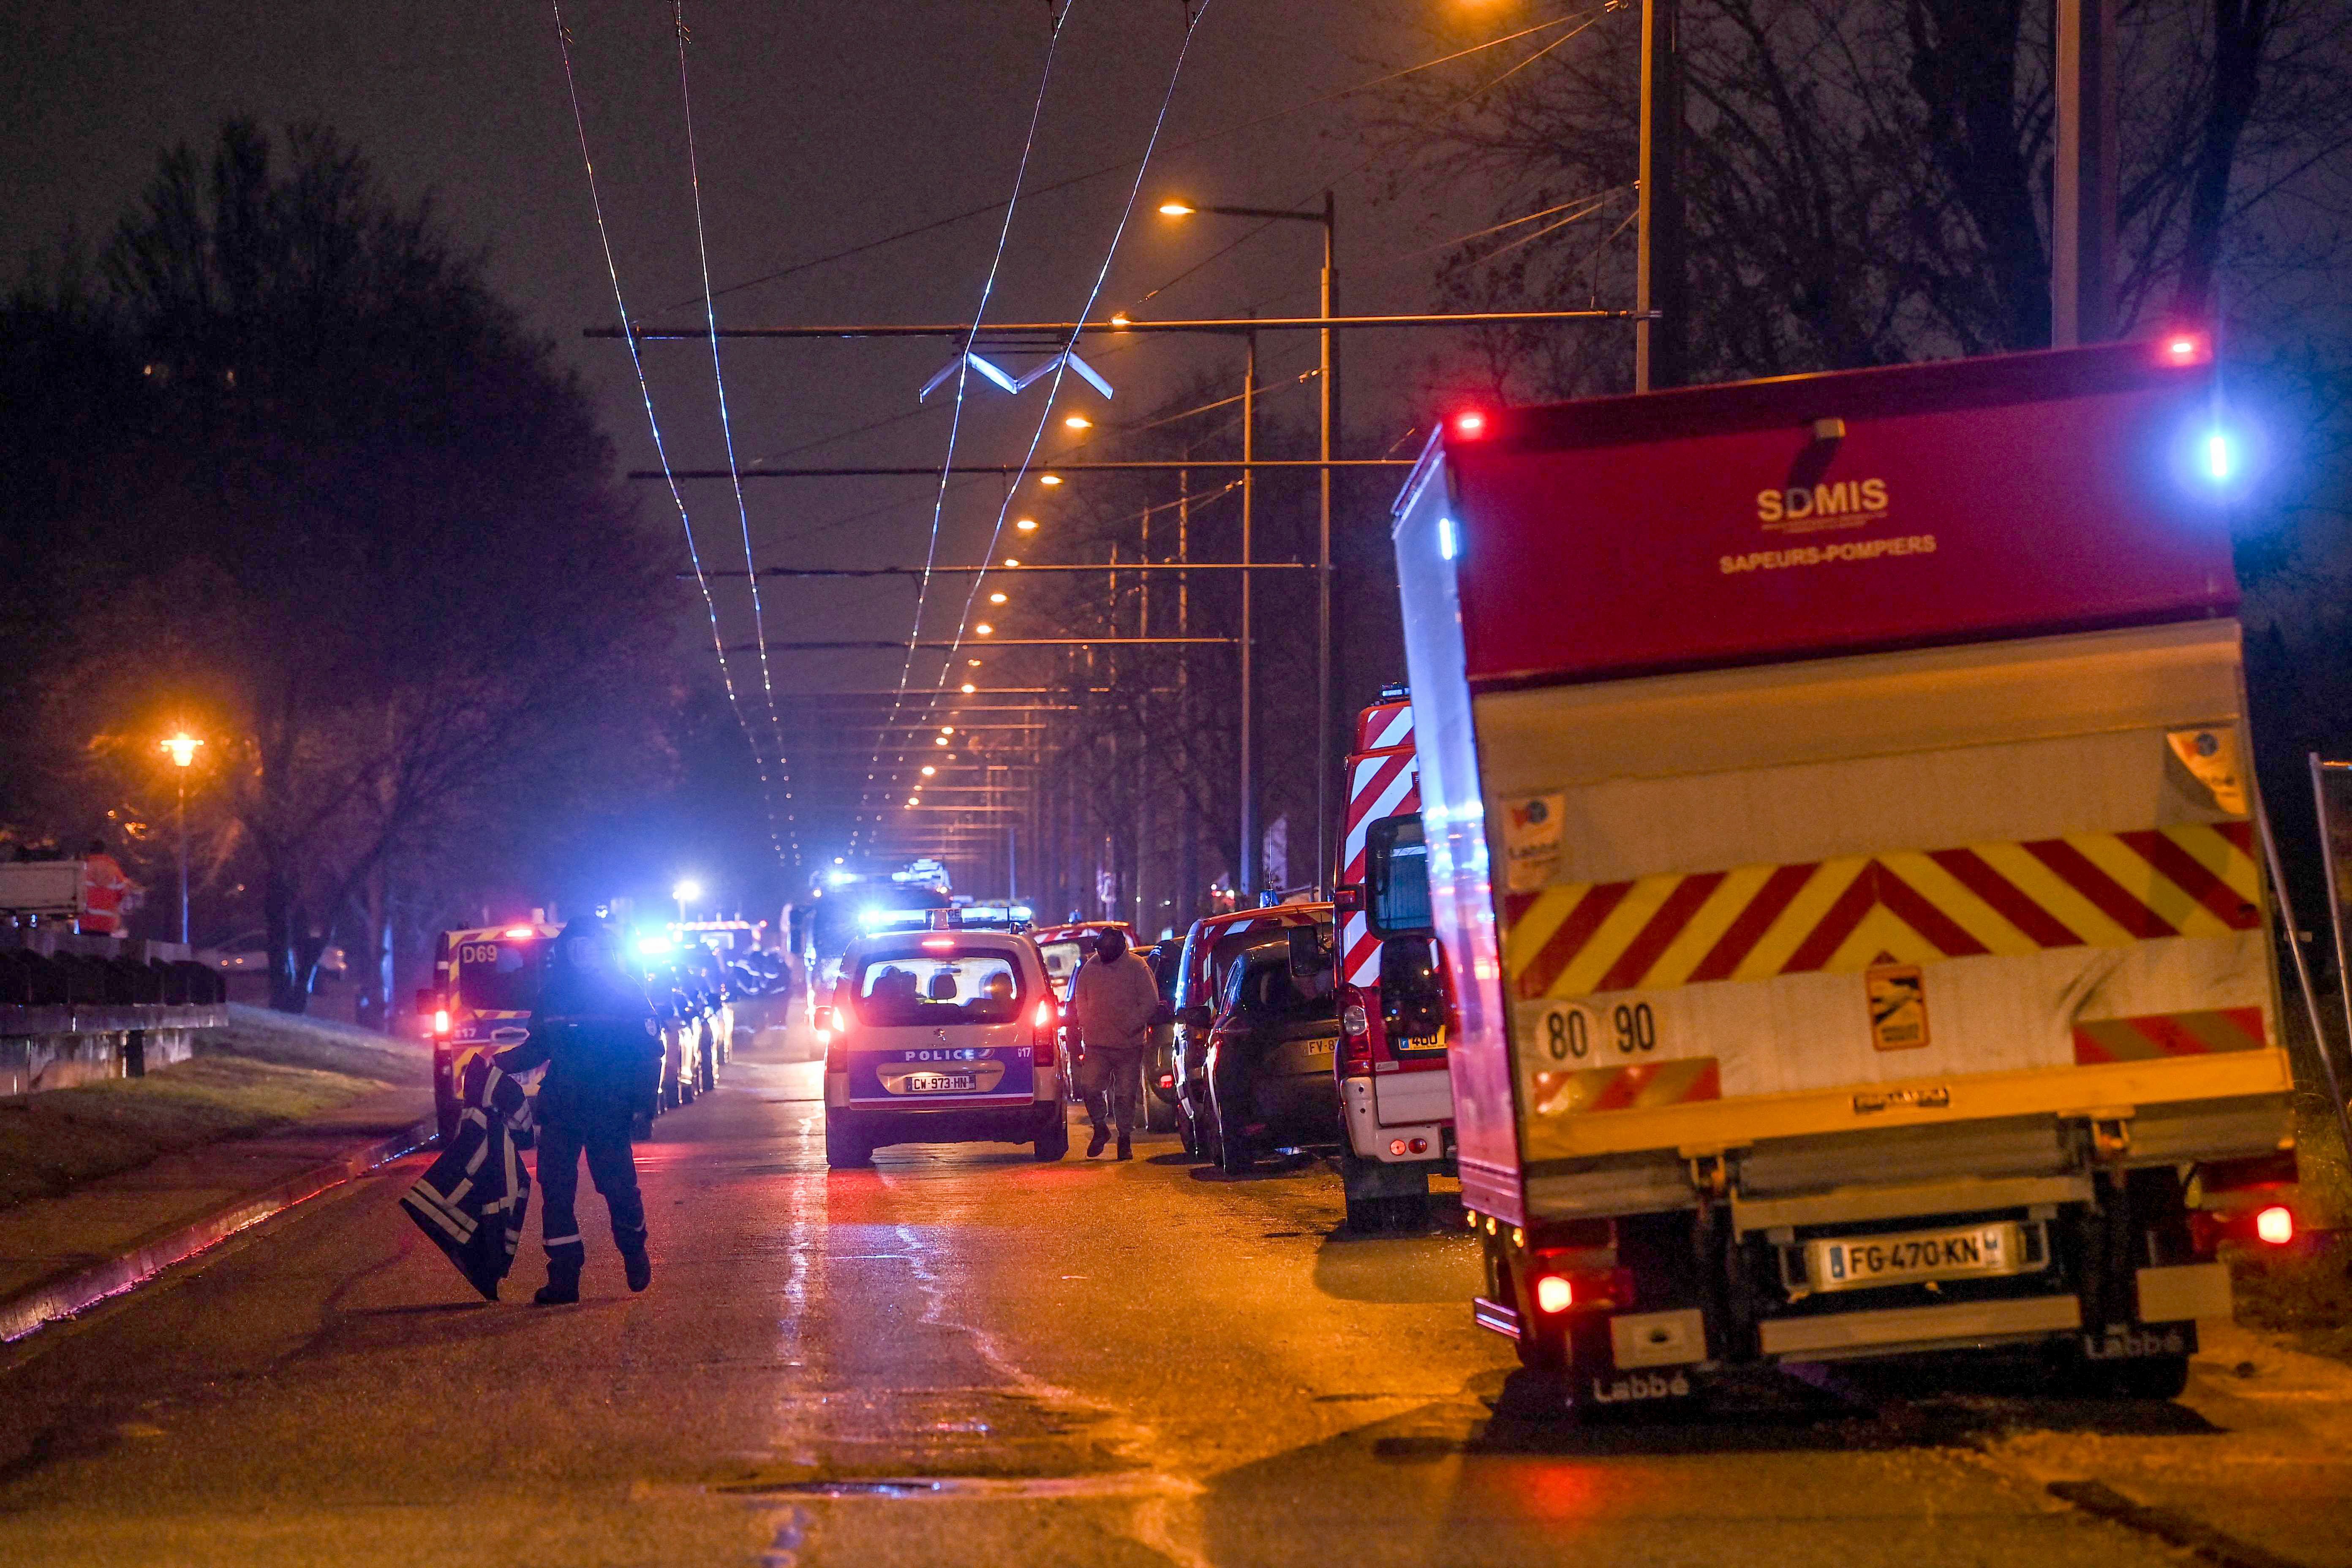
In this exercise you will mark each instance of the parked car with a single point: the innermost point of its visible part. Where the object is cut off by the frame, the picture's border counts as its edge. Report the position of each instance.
(1158, 1103)
(941, 1036)
(1202, 968)
(1270, 1049)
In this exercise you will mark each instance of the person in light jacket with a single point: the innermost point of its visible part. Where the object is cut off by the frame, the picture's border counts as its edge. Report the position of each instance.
(1115, 1000)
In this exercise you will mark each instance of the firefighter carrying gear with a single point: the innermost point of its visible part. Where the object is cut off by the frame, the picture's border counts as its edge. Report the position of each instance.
(595, 1032)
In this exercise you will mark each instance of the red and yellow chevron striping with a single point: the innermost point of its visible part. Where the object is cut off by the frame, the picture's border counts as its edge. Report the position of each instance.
(1643, 1086)
(1841, 915)
(2164, 1035)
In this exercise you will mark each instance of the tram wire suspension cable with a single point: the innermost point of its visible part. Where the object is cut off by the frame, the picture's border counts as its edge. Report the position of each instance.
(964, 377)
(726, 425)
(652, 423)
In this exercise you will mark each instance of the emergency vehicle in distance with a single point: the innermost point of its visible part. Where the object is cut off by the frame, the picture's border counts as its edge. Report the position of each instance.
(1841, 833)
(485, 985)
(845, 903)
(1395, 1094)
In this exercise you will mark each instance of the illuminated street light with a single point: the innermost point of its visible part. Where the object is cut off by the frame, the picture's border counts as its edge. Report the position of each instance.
(1078, 422)
(1049, 478)
(1177, 209)
(1011, 561)
(969, 688)
(1025, 524)
(181, 747)
(999, 598)
(984, 629)
(940, 741)
(928, 770)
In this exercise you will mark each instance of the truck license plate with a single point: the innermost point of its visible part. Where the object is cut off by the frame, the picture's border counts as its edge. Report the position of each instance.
(939, 1083)
(1845, 1263)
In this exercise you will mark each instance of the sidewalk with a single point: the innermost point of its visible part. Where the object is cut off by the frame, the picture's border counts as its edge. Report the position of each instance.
(107, 1235)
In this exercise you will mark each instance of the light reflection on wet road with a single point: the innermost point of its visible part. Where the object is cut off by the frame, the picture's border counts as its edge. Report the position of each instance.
(961, 1356)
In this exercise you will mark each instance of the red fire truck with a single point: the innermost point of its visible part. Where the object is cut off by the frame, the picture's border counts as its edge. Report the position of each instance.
(1841, 834)
(1393, 1086)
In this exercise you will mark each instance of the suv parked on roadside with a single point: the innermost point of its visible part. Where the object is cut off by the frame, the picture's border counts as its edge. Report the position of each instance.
(1269, 1070)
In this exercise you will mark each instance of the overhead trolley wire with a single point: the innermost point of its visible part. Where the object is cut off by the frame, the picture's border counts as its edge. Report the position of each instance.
(962, 379)
(652, 423)
(1193, 18)
(985, 208)
(726, 425)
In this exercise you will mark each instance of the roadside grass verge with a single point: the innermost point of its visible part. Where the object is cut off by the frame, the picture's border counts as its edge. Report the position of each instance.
(262, 1072)
(2304, 1295)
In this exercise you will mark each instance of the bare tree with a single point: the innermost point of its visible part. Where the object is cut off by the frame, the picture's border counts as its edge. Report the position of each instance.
(358, 527)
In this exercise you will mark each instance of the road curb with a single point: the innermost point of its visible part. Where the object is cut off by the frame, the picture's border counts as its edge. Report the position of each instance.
(64, 1297)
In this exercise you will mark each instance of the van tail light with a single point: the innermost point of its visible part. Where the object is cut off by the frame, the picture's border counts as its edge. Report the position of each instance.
(1041, 1038)
(441, 1020)
(2275, 1225)
(833, 1033)
(1355, 1057)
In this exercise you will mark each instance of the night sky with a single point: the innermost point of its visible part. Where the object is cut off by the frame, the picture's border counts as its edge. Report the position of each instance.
(818, 127)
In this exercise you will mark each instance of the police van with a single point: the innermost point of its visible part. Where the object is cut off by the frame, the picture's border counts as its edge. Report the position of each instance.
(940, 1036)
(485, 982)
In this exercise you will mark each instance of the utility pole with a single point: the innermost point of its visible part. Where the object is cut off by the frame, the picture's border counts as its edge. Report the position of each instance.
(2083, 215)
(1661, 343)
(1325, 620)
(1245, 874)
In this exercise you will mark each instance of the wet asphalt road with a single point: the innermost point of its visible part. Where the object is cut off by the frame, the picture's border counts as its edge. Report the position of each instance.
(960, 1356)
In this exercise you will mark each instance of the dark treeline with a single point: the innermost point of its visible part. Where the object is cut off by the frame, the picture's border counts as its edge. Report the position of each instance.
(275, 467)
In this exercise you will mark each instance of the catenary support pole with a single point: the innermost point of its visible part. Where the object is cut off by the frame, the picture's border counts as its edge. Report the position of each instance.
(2083, 208)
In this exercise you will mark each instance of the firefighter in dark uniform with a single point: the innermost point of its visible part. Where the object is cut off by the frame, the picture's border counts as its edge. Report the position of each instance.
(594, 1031)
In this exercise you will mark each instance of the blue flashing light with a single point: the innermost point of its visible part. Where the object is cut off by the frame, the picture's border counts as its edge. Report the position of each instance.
(653, 946)
(2221, 456)
(1446, 545)
(840, 879)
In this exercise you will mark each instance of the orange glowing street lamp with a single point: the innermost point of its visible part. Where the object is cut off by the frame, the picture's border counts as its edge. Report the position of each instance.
(181, 747)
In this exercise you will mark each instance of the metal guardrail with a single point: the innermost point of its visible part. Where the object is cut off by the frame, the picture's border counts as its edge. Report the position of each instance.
(108, 1018)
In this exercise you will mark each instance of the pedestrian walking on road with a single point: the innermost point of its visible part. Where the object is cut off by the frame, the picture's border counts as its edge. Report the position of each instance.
(1115, 1000)
(594, 1031)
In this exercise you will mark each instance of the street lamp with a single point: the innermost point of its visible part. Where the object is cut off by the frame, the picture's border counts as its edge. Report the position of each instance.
(181, 748)
(1329, 374)
(686, 891)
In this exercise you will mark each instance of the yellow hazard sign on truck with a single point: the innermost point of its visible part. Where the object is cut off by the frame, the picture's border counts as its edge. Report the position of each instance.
(1899, 1007)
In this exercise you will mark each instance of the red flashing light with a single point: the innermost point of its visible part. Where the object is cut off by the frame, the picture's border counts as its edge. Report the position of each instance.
(520, 933)
(1554, 1294)
(441, 1020)
(2275, 1225)
(939, 945)
(1469, 425)
(2185, 348)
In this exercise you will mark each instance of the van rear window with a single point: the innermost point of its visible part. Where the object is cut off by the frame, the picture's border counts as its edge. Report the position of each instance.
(919, 990)
(499, 977)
